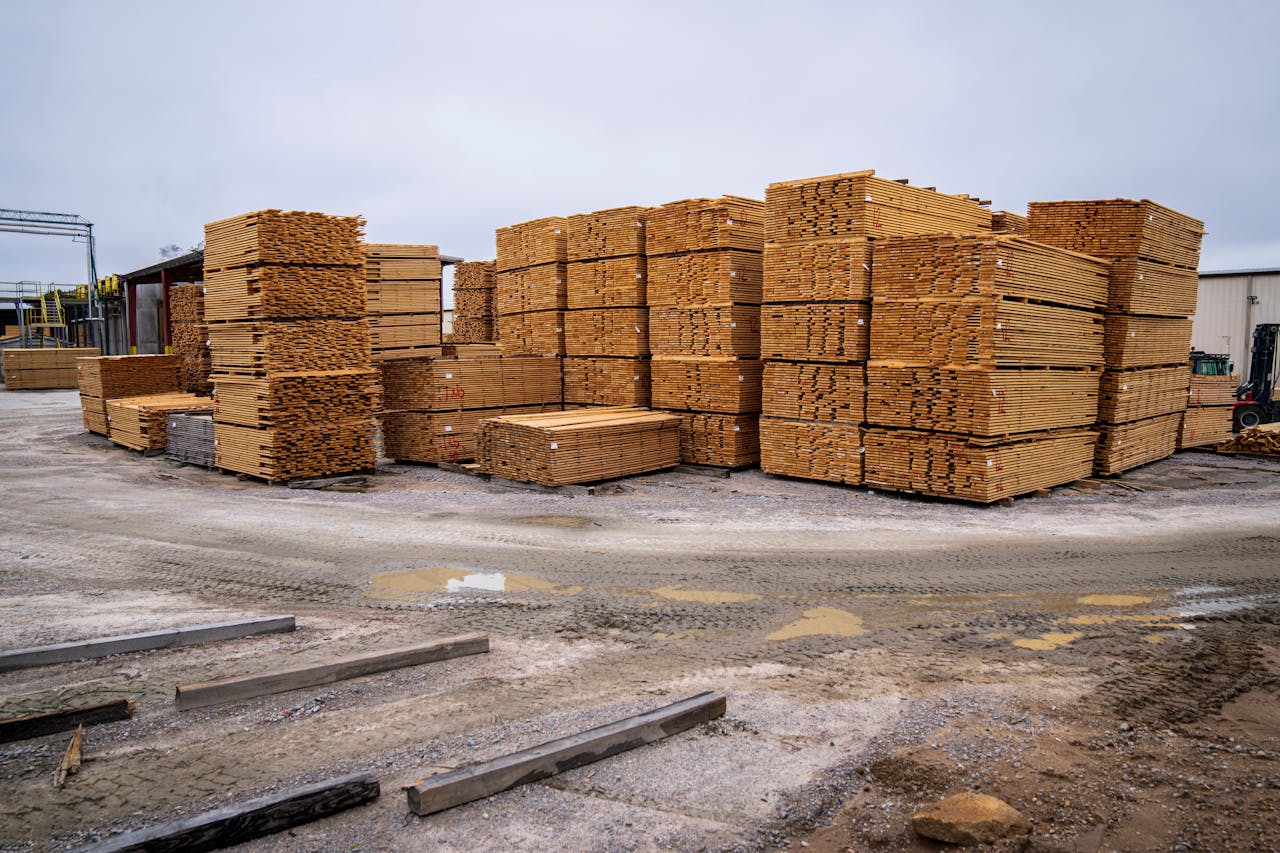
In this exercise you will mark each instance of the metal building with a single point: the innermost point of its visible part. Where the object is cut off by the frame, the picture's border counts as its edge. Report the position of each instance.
(1229, 305)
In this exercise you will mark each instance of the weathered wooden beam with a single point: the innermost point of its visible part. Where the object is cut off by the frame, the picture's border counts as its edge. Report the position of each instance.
(446, 790)
(38, 725)
(71, 759)
(104, 646)
(203, 694)
(251, 819)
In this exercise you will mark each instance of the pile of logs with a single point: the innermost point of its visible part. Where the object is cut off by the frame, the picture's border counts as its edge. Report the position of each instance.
(705, 277)
(580, 446)
(34, 369)
(530, 293)
(286, 302)
(114, 376)
(433, 406)
(1153, 254)
(190, 338)
(473, 302)
(402, 288)
(1208, 418)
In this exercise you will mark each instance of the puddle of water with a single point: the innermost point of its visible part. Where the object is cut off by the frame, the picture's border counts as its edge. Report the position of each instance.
(1114, 600)
(827, 621)
(1047, 642)
(554, 520)
(402, 585)
(705, 596)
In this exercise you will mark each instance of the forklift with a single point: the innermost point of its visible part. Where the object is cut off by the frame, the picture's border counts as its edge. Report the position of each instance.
(1256, 401)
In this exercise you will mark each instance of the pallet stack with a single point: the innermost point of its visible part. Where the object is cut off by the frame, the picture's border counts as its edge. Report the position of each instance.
(191, 338)
(1208, 416)
(402, 285)
(473, 303)
(114, 376)
(286, 304)
(531, 291)
(434, 405)
(817, 311)
(581, 446)
(1153, 253)
(985, 351)
(704, 286)
(42, 368)
(607, 321)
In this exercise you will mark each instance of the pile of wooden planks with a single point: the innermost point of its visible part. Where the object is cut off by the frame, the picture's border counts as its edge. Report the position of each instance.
(1133, 395)
(291, 350)
(580, 446)
(705, 276)
(110, 377)
(1007, 222)
(190, 335)
(1208, 418)
(140, 422)
(40, 368)
(473, 302)
(402, 290)
(1260, 440)
(189, 438)
(434, 405)
(608, 317)
(1153, 253)
(531, 284)
(984, 375)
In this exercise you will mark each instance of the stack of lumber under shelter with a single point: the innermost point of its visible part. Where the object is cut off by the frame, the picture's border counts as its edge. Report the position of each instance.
(473, 302)
(606, 326)
(39, 368)
(139, 422)
(189, 438)
(402, 286)
(191, 338)
(114, 376)
(705, 271)
(1208, 418)
(285, 297)
(985, 351)
(433, 406)
(815, 325)
(1153, 254)
(579, 446)
(531, 291)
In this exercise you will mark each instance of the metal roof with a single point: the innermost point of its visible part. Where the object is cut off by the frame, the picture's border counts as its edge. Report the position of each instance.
(1220, 273)
(195, 258)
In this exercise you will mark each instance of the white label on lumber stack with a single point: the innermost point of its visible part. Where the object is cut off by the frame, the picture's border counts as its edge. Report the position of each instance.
(554, 446)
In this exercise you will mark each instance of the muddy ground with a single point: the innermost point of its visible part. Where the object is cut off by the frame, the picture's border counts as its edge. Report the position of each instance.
(1107, 660)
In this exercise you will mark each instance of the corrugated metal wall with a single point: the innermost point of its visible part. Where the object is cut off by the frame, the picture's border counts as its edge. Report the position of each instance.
(1226, 315)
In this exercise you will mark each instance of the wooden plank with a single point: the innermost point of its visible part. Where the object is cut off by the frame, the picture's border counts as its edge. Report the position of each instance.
(38, 725)
(171, 638)
(252, 819)
(446, 790)
(203, 694)
(71, 759)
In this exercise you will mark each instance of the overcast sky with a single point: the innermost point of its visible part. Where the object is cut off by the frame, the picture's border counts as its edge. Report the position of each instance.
(440, 122)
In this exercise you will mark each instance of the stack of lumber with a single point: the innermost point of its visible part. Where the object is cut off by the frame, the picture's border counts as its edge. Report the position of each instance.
(1153, 253)
(434, 405)
(531, 282)
(289, 337)
(491, 350)
(190, 338)
(581, 446)
(473, 302)
(816, 317)
(139, 422)
(1260, 440)
(33, 369)
(1134, 395)
(1006, 222)
(705, 278)
(113, 376)
(402, 288)
(1208, 418)
(189, 438)
(608, 317)
(984, 375)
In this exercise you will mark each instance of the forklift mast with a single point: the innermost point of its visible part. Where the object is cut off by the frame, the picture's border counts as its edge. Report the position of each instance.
(1258, 389)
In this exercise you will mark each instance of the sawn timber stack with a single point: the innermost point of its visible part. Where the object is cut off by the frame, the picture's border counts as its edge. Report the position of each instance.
(109, 377)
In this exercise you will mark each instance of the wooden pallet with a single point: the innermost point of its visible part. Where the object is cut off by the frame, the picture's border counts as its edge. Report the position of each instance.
(442, 436)
(293, 400)
(1124, 446)
(528, 244)
(1146, 341)
(816, 331)
(725, 441)
(284, 293)
(1117, 228)
(594, 381)
(1131, 395)
(281, 454)
(540, 288)
(699, 224)
(609, 283)
(1205, 425)
(290, 346)
(456, 384)
(531, 333)
(834, 270)
(139, 423)
(607, 332)
(112, 376)
(807, 391)
(812, 450)
(713, 278)
(965, 468)
(859, 204)
(1212, 390)
(279, 237)
(606, 233)
(725, 385)
(581, 446)
(732, 331)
